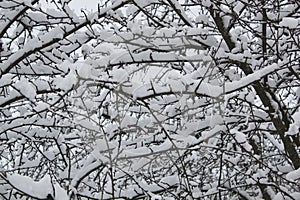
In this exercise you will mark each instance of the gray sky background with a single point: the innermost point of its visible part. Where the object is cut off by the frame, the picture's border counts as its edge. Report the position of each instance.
(77, 5)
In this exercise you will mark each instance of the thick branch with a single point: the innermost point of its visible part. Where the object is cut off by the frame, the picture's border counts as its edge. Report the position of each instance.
(267, 97)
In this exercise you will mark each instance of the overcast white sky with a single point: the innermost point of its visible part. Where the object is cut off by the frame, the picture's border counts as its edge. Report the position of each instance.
(87, 4)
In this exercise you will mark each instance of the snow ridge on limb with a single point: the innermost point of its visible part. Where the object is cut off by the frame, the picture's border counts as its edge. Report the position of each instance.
(51, 38)
(42, 189)
(203, 88)
(179, 10)
(13, 16)
(268, 98)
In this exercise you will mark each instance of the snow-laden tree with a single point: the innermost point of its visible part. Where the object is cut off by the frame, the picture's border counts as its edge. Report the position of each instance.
(154, 99)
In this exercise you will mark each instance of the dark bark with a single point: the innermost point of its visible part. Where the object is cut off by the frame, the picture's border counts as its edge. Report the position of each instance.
(267, 97)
